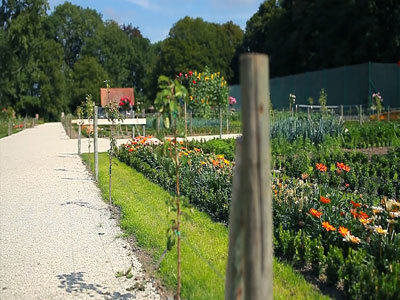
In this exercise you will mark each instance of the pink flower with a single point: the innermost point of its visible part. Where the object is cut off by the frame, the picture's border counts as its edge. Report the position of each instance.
(232, 100)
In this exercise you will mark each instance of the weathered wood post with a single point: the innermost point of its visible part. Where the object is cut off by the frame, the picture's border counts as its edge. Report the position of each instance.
(79, 137)
(388, 113)
(133, 126)
(250, 243)
(341, 111)
(220, 123)
(308, 112)
(96, 143)
(144, 125)
(360, 113)
(296, 109)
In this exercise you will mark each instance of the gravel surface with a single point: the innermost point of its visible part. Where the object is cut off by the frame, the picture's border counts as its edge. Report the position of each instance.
(57, 240)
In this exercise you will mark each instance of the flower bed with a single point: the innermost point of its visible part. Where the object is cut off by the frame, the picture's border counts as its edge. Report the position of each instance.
(322, 222)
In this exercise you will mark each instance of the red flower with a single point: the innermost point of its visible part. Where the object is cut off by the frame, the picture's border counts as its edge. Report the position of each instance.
(346, 185)
(190, 73)
(180, 74)
(363, 215)
(355, 204)
(194, 81)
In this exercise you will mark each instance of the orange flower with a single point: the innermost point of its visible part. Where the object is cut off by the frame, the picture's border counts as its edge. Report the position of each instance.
(355, 204)
(215, 163)
(328, 227)
(343, 231)
(321, 167)
(363, 215)
(130, 149)
(197, 149)
(324, 200)
(354, 213)
(343, 167)
(315, 213)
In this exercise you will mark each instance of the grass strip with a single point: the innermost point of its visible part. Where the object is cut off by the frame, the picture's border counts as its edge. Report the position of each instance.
(204, 246)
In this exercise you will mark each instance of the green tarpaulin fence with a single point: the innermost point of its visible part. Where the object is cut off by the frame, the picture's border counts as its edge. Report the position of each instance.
(348, 85)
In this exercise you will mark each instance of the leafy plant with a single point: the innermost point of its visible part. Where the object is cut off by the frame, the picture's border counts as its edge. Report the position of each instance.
(113, 115)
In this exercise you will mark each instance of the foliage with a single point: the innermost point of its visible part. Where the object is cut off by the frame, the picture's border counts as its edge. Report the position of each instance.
(322, 100)
(208, 91)
(171, 91)
(314, 33)
(193, 44)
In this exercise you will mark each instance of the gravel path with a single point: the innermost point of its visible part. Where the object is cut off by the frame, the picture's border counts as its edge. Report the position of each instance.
(57, 240)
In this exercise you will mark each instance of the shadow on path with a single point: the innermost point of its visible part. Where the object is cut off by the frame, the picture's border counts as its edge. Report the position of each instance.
(75, 283)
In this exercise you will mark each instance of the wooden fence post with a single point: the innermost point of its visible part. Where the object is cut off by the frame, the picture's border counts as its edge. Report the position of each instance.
(254, 191)
(96, 144)
(79, 138)
(360, 112)
(341, 111)
(308, 112)
(388, 113)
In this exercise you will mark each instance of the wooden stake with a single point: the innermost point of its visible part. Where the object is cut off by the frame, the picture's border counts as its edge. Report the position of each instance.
(79, 139)
(255, 185)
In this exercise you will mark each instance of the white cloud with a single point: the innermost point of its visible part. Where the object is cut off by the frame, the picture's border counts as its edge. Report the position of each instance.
(144, 4)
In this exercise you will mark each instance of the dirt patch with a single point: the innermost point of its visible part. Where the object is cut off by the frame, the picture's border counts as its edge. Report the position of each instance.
(145, 258)
(371, 151)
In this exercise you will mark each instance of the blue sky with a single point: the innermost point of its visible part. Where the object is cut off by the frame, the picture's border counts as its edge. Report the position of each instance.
(155, 17)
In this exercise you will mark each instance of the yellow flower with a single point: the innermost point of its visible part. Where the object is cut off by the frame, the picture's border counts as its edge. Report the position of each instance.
(220, 156)
(222, 78)
(379, 230)
(203, 163)
(212, 76)
(227, 162)
(202, 101)
(206, 78)
(191, 97)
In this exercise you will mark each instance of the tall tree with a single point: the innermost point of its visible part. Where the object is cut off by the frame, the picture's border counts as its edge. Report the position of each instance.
(72, 27)
(194, 44)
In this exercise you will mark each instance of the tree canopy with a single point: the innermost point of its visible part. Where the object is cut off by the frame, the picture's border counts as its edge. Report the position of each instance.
(305, 35)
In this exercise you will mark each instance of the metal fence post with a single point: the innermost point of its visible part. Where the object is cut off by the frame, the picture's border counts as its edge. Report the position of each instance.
(96, 142)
